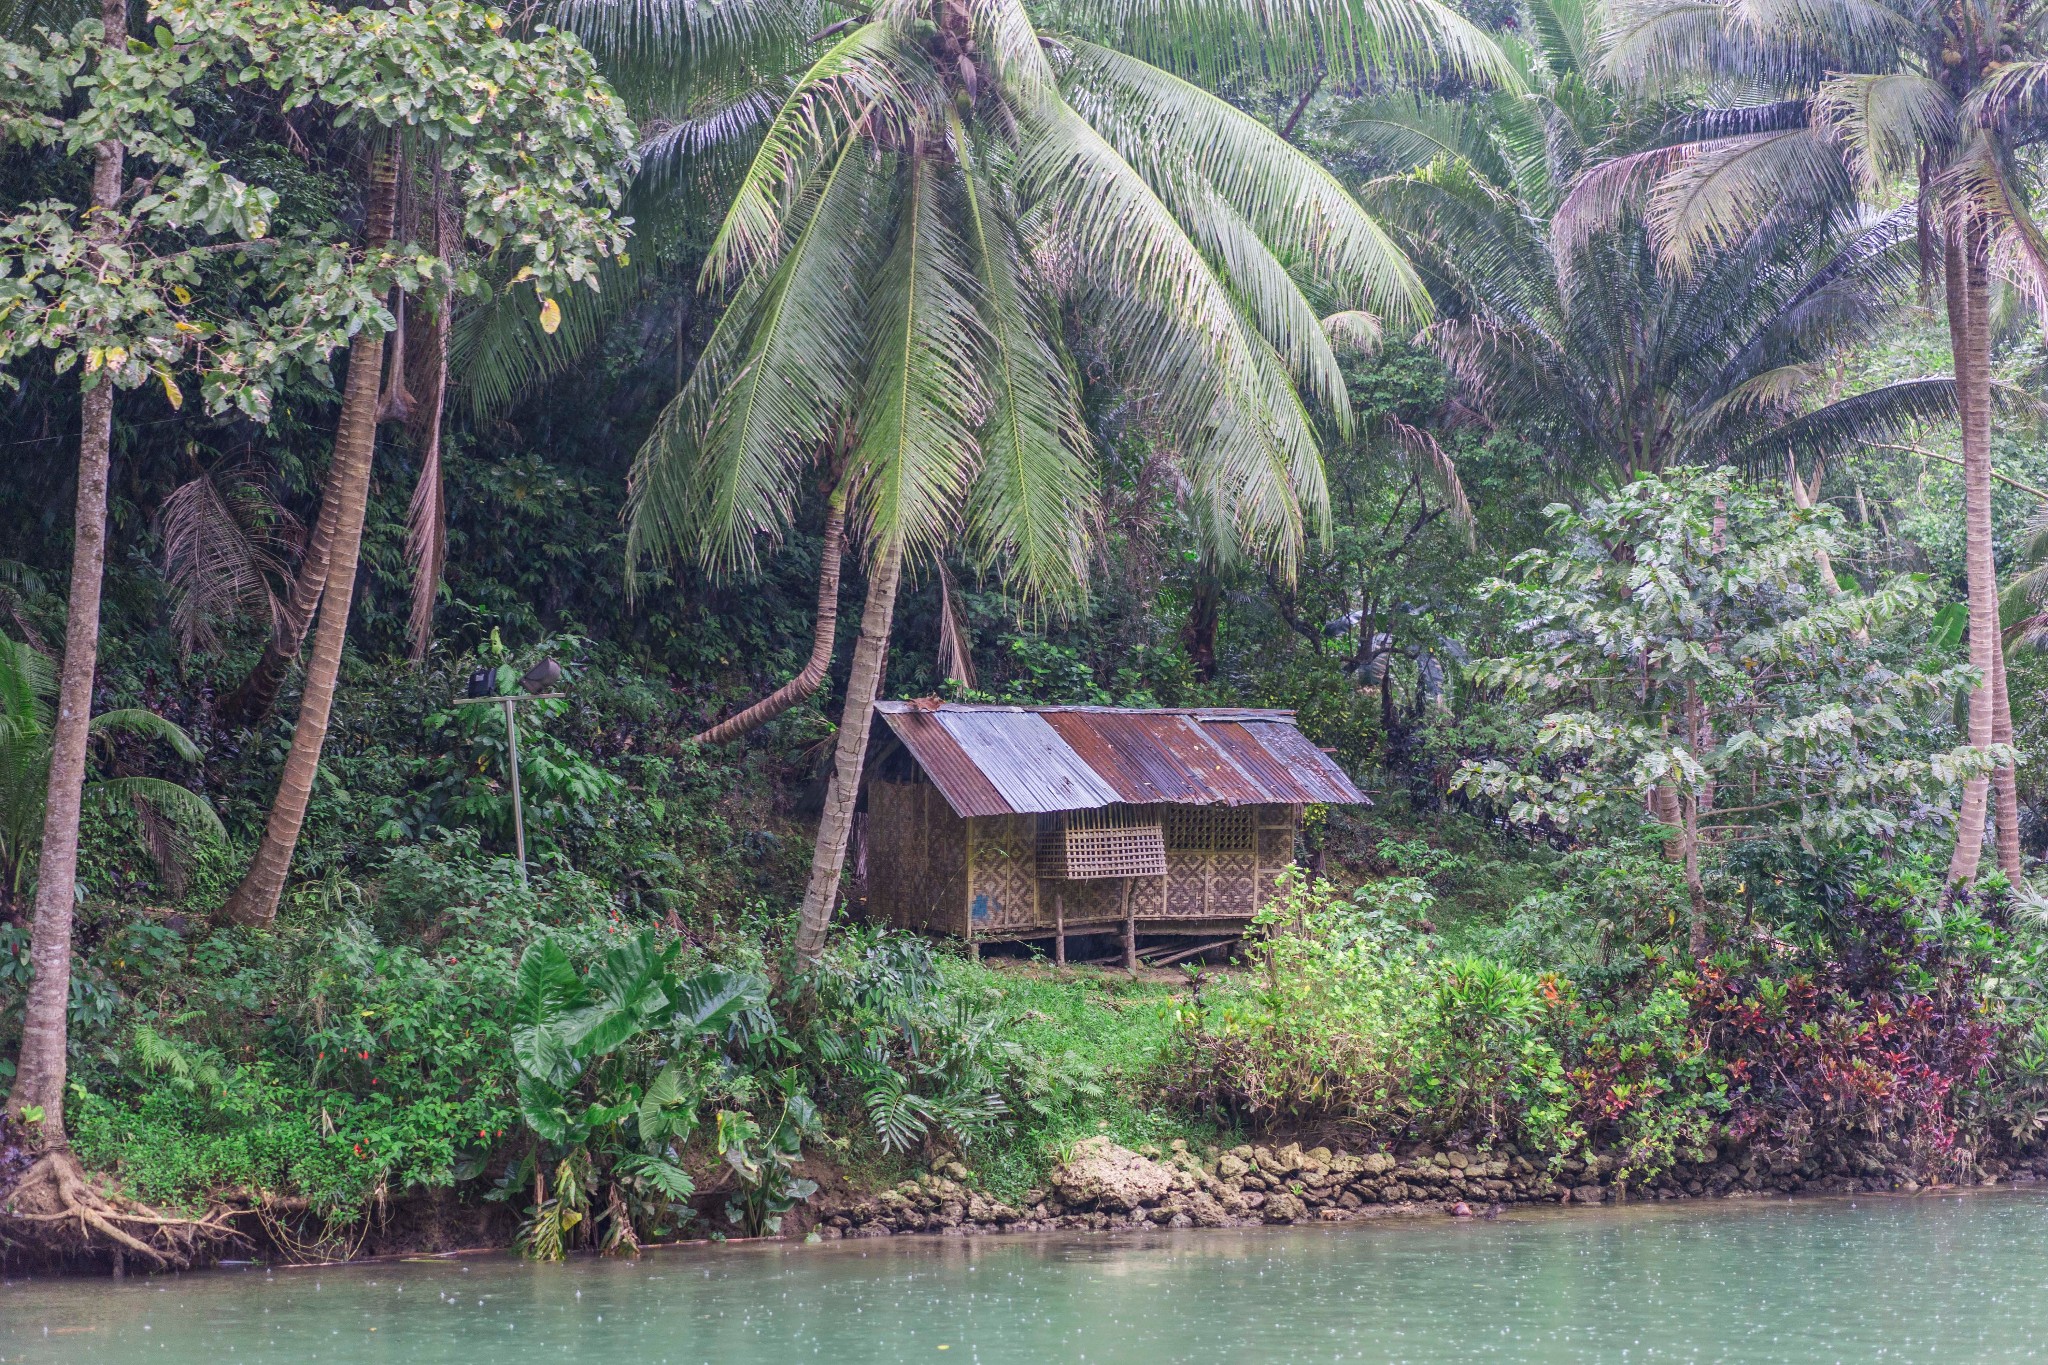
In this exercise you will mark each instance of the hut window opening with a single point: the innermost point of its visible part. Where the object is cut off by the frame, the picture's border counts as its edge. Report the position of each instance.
(1115, 841)
(1210, 829)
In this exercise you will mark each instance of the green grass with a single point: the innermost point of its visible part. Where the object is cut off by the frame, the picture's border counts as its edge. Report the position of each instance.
(1097, 1036)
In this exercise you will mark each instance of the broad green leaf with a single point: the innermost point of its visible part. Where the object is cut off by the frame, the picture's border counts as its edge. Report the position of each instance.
(544, 990)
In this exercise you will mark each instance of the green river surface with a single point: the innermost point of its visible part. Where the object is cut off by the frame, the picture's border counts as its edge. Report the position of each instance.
(1938, 1277)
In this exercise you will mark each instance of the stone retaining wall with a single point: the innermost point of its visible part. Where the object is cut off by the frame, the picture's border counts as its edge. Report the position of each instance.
(1103, 1186)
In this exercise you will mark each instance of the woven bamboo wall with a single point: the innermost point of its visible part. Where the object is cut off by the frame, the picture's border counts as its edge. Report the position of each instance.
(917, 858)
(929, 869)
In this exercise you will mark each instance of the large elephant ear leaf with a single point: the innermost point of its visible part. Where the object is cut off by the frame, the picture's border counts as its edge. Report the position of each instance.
(668, 1109)
(630, 990)
(545, 1109)
(714, 997)
(543, 993)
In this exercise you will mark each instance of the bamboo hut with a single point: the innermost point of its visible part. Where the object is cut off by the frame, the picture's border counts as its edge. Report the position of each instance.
(995, 823)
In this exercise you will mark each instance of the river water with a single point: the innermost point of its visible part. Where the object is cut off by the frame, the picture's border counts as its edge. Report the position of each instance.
(1932, 1278)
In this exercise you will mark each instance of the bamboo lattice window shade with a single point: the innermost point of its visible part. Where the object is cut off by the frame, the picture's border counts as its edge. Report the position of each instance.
(1117, 841)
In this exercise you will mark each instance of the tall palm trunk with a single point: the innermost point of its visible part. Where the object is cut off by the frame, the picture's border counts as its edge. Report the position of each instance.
(824, 634)
(870, 660)
(41, 1069)
(355, 447)
(2005, 792)
(257, 693)
(1968, 294)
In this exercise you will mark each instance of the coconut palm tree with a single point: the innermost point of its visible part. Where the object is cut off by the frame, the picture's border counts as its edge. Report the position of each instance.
(1578, 335)
(939, 194)
(28, 684)
(1848, 98)
(1610, 363)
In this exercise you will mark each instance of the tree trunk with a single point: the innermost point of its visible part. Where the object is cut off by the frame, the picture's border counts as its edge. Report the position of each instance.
(257, 693)
(1199, 634)
(355, 446)
(2005, 794)
(1696, 934)
(1970, 341)
(870, 660)
(43, 1065)
(823, 635)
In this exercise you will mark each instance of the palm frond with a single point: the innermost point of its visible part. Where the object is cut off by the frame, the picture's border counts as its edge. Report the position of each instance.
(1033, 502)
(134, 720)
(1888, 413)
(780, 370)
(857, 80)
(1716, 192)
(1178, 135)
(228, 549)
(1889, 120)
(1217, 40)
(922, 399)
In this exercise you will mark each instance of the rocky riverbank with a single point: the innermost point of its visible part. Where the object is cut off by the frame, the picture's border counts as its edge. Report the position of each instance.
(1101, 1186)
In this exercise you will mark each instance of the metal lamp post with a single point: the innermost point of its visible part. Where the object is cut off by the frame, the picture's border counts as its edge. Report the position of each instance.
(482, 689)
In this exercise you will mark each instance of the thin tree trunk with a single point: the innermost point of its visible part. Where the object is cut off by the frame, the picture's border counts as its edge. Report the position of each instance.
(42, 1067)
(1199, 634)
(355, 446)
(823, 635)
(1969, 338)
(1689, 834)
(870, 661)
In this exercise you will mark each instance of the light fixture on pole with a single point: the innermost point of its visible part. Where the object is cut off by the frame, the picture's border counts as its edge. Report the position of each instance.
(483, 687)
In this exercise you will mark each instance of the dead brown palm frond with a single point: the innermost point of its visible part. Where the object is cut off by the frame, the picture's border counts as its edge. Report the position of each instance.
(426, 530)
(1421, 447)
(956, 640)
(228, 554)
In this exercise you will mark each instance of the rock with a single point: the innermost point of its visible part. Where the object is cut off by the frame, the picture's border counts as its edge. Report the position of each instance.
(1288, 1159)
(1229, 1167)
(1283, 1208)
(1588, 1194)
(1379, 1163)
(1459, 1161)
(1104, 1175)
(1201, 1211)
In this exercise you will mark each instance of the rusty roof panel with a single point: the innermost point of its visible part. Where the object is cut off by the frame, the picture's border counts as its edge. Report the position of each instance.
(1312, 775)
(996, 760)
(1027, 761)
(944, 762)
(1125, 751)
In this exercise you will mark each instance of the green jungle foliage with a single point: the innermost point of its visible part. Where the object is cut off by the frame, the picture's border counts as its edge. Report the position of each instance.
(1609, 685)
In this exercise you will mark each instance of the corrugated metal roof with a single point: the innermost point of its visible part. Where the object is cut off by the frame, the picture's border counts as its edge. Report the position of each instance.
(1013, 760)
(1026, 761)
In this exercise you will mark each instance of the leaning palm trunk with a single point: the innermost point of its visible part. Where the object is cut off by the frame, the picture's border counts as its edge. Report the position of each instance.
(2005, 794)
(254, 697)
(355, 444)
(1969, 332)
(870, 660)
(823, 635)
(41, 1070)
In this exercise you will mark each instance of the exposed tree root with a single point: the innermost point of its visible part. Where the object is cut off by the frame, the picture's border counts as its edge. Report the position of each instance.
(53, 1215)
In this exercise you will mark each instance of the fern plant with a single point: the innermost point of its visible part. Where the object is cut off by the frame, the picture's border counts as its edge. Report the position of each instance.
(175, 814)
(920, 1062)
